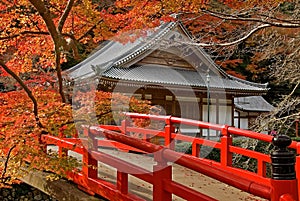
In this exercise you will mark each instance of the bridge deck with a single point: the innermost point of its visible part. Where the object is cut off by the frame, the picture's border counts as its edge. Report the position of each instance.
(199, 182)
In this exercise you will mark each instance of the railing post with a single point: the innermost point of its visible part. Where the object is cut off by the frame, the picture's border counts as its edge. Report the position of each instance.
(261, 168)
(42, 143)
(122, 182)
(62, 152)
(169, 129)
(162, 172)
(89, 164)
(226, 142)
(283, 179)
(195, 149)
(124, 124)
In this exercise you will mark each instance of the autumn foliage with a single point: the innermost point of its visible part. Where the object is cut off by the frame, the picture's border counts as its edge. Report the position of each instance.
(38, 37)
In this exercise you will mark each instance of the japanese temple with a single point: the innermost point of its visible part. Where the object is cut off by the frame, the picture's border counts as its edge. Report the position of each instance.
(166, 69)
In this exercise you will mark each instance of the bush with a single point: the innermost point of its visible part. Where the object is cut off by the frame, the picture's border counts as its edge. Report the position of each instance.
(296, 139)
(239, 161)
(184, 147)
(247, 163)
(205, 151)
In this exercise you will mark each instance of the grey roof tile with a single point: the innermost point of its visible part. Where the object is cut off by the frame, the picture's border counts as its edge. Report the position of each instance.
(158, 74)
(110, 60)
(252, 103)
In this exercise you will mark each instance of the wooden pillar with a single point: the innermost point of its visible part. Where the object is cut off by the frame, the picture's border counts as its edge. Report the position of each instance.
(161, 173)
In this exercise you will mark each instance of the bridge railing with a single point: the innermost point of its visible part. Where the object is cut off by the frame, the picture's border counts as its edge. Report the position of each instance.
(224, 144)
(163, 185)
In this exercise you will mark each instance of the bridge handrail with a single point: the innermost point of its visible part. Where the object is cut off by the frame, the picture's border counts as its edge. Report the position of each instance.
(205, 125)
(88, 181)
(226, 138)
(193, 163)
(227, 149)
(163, 185)
(226, 146)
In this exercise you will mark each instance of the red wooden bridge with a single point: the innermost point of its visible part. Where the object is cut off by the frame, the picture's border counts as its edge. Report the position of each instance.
(282, 185)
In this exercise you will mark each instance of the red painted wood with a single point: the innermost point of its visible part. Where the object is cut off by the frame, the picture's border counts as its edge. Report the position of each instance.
(89, 167)
(126, 167)
(284, 190)
(103, 188)
(48, 139)
(195, 149)
(226, 142)
(220, 173)
(62, 152)
(163, 186)
(245, 184)
(286, 197)
(186, 192)
(161, 174)
(122, 182)
(168, 137)
(124, 124)
(250, 134)
(117, 145)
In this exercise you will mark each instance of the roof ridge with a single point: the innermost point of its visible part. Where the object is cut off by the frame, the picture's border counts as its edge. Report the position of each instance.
(264, 85)
(149, 43)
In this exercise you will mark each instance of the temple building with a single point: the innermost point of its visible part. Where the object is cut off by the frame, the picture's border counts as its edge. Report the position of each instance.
(246, 110)
(165, 68)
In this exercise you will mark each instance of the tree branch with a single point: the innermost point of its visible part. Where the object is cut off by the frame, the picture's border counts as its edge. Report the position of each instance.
(250, 33)
(229, 43)
(3, 179)
(59, 75)
(265, 20)
(65, 15)
(46, 15)
(27, 90)
(31, 33)
(57, 38)
(24, 33)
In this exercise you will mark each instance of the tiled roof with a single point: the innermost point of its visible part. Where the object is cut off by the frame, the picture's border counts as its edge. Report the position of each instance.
(252, 103)
(115, 53)
(158, 74)
(115, 60)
